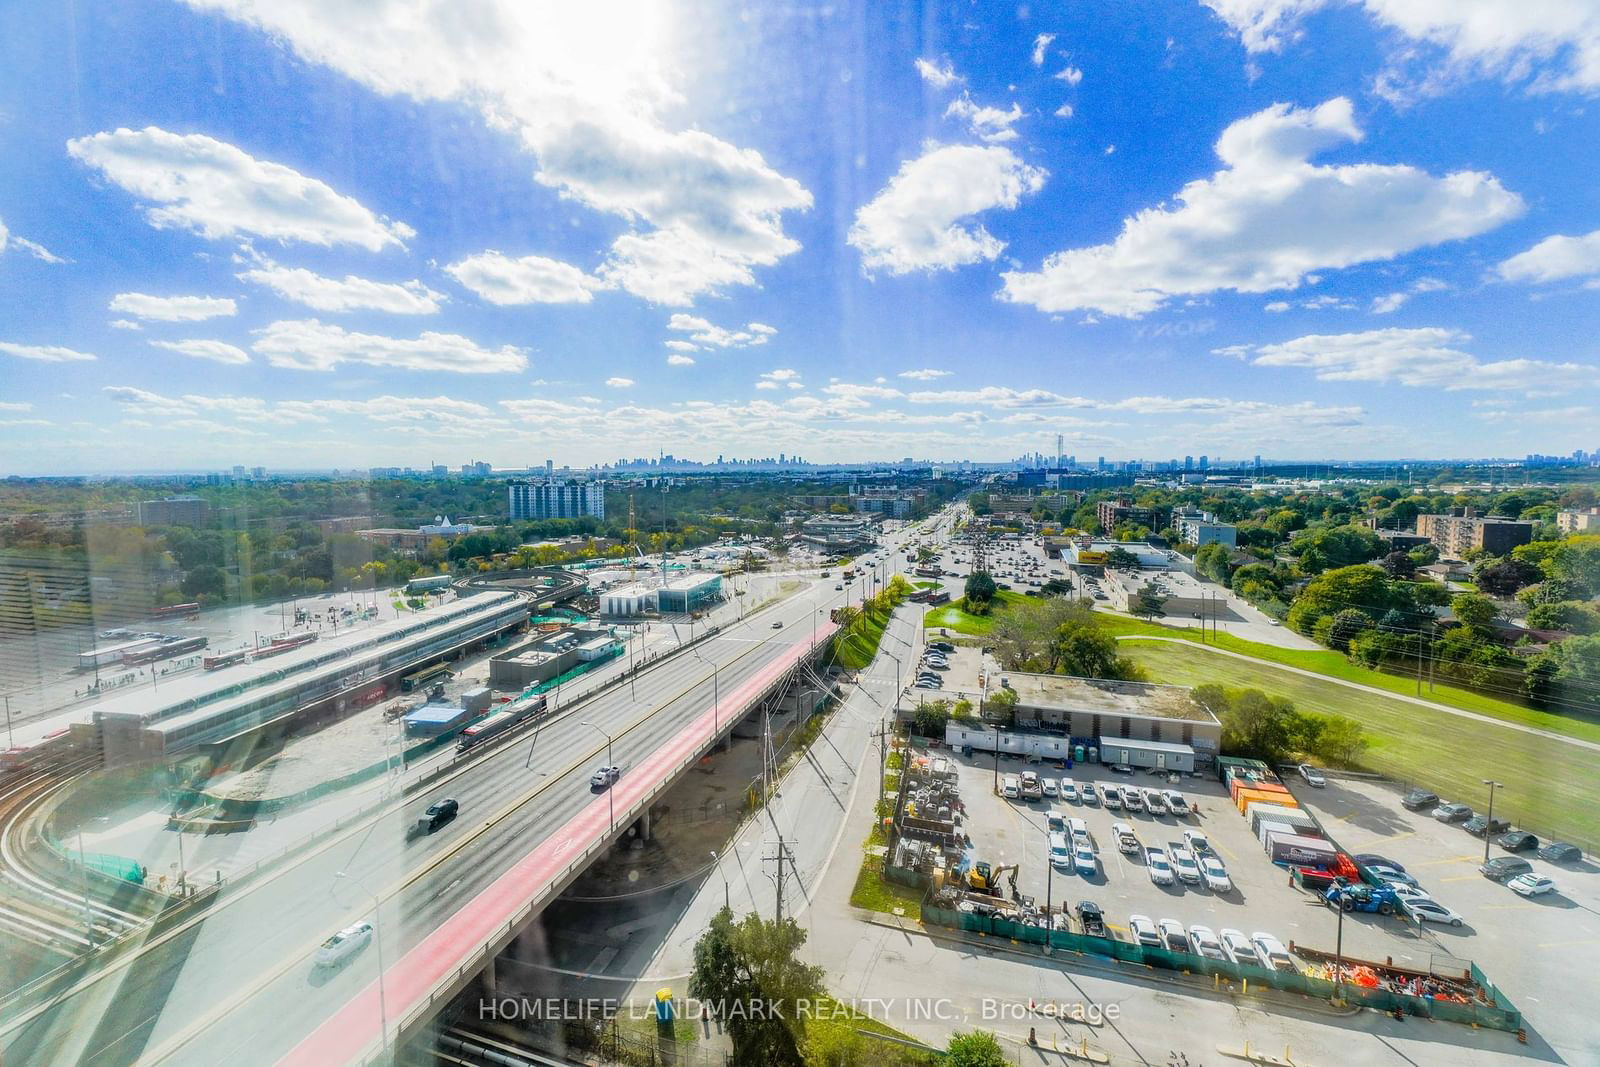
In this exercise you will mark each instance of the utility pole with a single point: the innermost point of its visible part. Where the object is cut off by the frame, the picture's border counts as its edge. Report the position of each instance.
(781, 854)
(1488, 829)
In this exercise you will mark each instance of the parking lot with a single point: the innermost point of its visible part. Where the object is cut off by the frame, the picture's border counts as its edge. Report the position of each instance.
(1261, 899)
(1539, 950)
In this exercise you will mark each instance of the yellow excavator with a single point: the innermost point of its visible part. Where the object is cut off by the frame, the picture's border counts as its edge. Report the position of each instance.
(982, 878)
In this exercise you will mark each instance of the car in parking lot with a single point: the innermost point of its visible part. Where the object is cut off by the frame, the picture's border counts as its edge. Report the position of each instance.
(941, 646)
(1175, 802)
(605, 777)
(1090, 918)
(1408, 893)
(1184, 864)
(1517, 841)
(1154, 802)
(1084, 859)
(1069, 790)
(1372, 859)
(1483, 826)
(1215, 875)
(1049, 787)
(1452, 813)
(1311, 775)
(1144, 931)
(1561, 852)
(1238, 948)
(1060, 853)
(1419, 800)
(1196, 842)
(1431, 911)
(1127, 841)
(344, 944)
(1272, 952)
(1120, 768)
(1531, 885)
(1174, 938)
(1111, 797)
(1205, 943)
(1089, 794)
(1160, 868)
(1500, 868)
(1390, 875)
(1132, 799)
(926, 683)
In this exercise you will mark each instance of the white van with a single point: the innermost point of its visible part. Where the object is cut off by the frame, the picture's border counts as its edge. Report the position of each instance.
(1011, 787)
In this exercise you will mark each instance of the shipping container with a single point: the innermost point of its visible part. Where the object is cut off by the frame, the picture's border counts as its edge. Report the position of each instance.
(1297, 850)
(1263, 813)
(1247, 797)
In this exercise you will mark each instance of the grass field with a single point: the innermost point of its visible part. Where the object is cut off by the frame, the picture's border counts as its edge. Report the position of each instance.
(874, 894)
(1550, 786)
(953, 617)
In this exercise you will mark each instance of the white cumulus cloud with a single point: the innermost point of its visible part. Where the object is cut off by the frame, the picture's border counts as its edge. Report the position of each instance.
(988, 123)
(704, 333)
(307, 344)
(503, 280)
(927, 374)
(1041, 43)
(1267, 220)
(1555, 258)
(44, 353)
(620, 383)
(677, 360)
(197, 183)
(920, 219)
(216, 351)
(173, 308)
(938, 74)
(349, 293)
(1071, 75)
(33, 248)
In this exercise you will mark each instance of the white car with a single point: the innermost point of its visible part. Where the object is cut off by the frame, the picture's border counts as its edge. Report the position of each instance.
(1174, 938)
(1048, 785)
(1069, 790)
(1408, 893)
(1175, 802)
(1083, 858)
(1312, 775)
(1392, 876)
(1197, 843)
(1238, 947)
(1154, 802)
(1089, 795)
(1271, 950)
(605, 777)
(1215, 875)
(1060, 853)
(344, 944)
(1184, 863)
(1431, 911)
(1144, 931)
(1205, 943)
(1160, 869)
(1531, 885)
(1110, 797)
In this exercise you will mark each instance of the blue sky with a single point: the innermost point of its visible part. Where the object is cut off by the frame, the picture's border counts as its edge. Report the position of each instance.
(319, 233)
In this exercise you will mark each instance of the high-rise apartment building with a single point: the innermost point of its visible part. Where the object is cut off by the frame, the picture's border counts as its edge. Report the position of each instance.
(1462, 530)
(557, 500)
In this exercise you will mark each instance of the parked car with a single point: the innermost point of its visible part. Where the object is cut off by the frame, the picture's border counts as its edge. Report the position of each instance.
(1160, 869)
(1174, 938)
(1531, 885)
(1049, 787)
(1408, 893)
(1196, 842)
(438, 814)
(1561, 852)
(1175, 802)
(1372, 859)
(1205, 943)
(1084, 859)
(1121, 768)
(1272, 952)
(1419, 799)
(1483, 826)
(344, 944)
(1390, 875)
(942, 646)
(1238, 947)
(1431, 911)
(1060, 852)
(778, 625)
(1311, 775)
(1111, 797)
(1089, 794)
(1154, 802)
(605, 777)
(1144, 931)
(1132, 799)
(1500, 868)
(1069, 790)
(1184, 864)
(1215, 875)
(926, 683)
(1517, 841)
(1452, 813)
(1091, 918)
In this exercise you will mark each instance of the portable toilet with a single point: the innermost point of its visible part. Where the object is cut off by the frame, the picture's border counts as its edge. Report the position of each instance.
(1094, 754)
(1078, 752)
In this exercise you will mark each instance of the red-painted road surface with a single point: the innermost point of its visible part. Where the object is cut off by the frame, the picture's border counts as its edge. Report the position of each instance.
(349, 1034)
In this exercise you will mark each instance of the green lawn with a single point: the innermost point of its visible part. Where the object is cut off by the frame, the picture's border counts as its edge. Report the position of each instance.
(1335, 665)
(953, 617)
(1551, 787)
(874, 894)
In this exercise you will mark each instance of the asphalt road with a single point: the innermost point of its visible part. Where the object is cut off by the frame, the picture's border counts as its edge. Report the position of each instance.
(239, 987)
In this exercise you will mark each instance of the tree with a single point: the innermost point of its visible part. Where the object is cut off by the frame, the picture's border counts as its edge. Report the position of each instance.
(206, 580)
(1335, 546)
(1001, 707)
(1024, 633)
(1365, 588)
(1120, 559)
(1344, 626)
(1503, 575)
(1212, 561)
(1340, 740)
(1085, 651)
(1567, 674)
(977, 1049)
(1150, 603)
(1399, 564)
(1577, 559)
(1575, 616)
(752, 963)
(1253, 723)
(931, 717)
(979, 591)
(1474, 610)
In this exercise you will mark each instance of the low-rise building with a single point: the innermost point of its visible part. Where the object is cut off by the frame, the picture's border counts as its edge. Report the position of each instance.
(1182, 596)
(689, 592)
(1584, 520)
(549, 655)
(1462, 530)
(1201, 528)
(173, 511)
(1113, 513)
(837, 534)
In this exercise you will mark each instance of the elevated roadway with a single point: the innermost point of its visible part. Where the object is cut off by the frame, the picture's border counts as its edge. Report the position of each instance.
(238, 986)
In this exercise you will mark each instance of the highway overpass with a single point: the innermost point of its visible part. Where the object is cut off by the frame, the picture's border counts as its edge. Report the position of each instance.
(237, 985)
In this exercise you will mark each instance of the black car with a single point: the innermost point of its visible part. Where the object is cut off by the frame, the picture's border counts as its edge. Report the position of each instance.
(1419, 800)
(439, 814)
(1121, 768)
(1501, 868)
(942, 646)
(1561, 852)
(1483, 826)
(1091, 918)
(1372, 859)
(1517, 841)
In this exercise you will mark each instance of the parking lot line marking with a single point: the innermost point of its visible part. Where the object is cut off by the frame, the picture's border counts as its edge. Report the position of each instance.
(1461, 877)
(1450, 859)
(1569, 944)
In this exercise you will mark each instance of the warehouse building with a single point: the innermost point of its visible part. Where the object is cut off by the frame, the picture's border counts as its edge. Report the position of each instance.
(690, 592)
(550, 655)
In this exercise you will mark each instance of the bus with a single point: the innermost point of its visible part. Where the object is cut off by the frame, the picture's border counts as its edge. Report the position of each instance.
(176, 611)
(289, 643)
(499, 723)
(165, 650)
(218, 660)
(421, 678)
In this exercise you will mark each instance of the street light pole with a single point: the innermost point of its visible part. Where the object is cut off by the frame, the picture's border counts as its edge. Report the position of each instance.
(727, 900)
(611, 803)
(1488, 830)
(1338, 960)
(377, 938)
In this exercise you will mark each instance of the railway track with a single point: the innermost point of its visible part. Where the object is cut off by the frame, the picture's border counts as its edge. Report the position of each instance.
(62, 920)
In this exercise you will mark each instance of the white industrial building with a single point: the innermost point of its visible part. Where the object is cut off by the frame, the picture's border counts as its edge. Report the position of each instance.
(627, 600)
